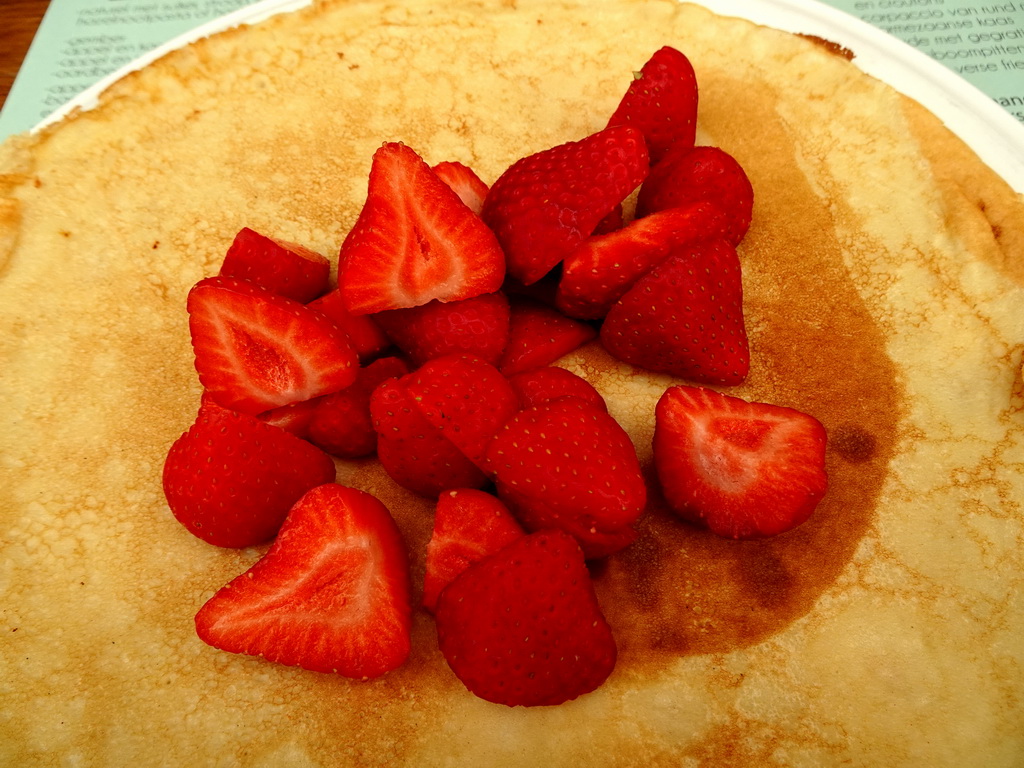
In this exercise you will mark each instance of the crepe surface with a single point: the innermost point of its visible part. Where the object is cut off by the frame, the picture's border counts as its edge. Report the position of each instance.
(883, 281)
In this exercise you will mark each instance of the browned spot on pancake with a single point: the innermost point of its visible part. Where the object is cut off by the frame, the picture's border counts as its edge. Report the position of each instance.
(814, 347)
(830, 46)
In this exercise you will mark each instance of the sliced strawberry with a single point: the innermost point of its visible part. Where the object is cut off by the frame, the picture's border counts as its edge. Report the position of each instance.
(340, 423)
(330, 595)
(601, 270)
(231, 478)
(256, 350)
(689, 175)
(477, 326)
(539, 335)
(413, 452)
(465, 398)
(284, 268)
(414, 241)
(294, 417)
(745, 470)
(685, 317)
(464, 182)
(545, 385)
(546, 204)
(661, 102)
(611, 222)
(366, 337)
(569, 465)
(468, 525)
(523, 627)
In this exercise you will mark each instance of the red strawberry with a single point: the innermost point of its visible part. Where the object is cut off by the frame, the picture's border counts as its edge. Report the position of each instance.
(413, 452)
(611, 222)
(281, 267)
(466, 399)
(293, 418)
(464, 182)
(330, 595)
(546, 204)
(545, 385)
(689, 175)
(601, 270)
(366, 337)
(745, 470)
(661, 102)
(468, 525)
(256, 350)
(414, 241)
(569, 465)
(539, 335)
(477, 326)
(685, 317)
(523, 627)
(231, 478)
(340, 423)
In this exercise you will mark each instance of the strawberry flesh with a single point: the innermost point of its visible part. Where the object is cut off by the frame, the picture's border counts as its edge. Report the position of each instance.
(464, 182)
(744, 470)
(523, 627)
(330, 595)
(255, 350)
(414, 241)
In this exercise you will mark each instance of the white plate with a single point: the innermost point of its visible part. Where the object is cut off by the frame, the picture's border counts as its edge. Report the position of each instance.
(995, 135)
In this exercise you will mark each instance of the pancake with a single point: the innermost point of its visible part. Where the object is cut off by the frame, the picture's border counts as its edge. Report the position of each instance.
(883, 281)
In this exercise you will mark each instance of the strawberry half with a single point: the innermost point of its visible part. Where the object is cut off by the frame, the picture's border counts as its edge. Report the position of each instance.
(601, 270)
(464, 182)
(340, 423)
(661, 102)
(546, 204)
(539, 335)
(330, 595)
(284, 268)
(256, 350)
(545, 385)
(413, 452)
(569, 465)
(690, 175)
(414, 241)
(523, 627)
(476, 326)
(231, 478)
(685, 317)
(469, 525)
(745, 470)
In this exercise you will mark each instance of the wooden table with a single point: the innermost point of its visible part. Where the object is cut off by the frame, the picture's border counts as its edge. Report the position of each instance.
(19, 20)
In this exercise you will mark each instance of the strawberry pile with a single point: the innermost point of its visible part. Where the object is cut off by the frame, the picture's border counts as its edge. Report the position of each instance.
(434, 352)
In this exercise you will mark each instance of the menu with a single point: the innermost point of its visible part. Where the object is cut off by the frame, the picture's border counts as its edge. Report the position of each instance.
(82, 41)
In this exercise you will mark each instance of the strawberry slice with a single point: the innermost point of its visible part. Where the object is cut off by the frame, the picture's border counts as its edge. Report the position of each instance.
(545, 385)
(469, 525)
(523, 627)
(464, 182)
(366, 337)
(465, 398)
(539, 335)
(661, 102)
(255, 350)
(231, 478)
(340, 423)
(282, 267)
(689, 175)
(413, 452)
(601, 270)
(685, 317)
(476, 326)
(414, 241)
(330, 595)
(546, 204)
(745, 470)
(569, 465)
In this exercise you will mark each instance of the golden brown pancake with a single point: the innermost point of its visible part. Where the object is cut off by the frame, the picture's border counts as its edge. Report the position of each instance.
(884, 286)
